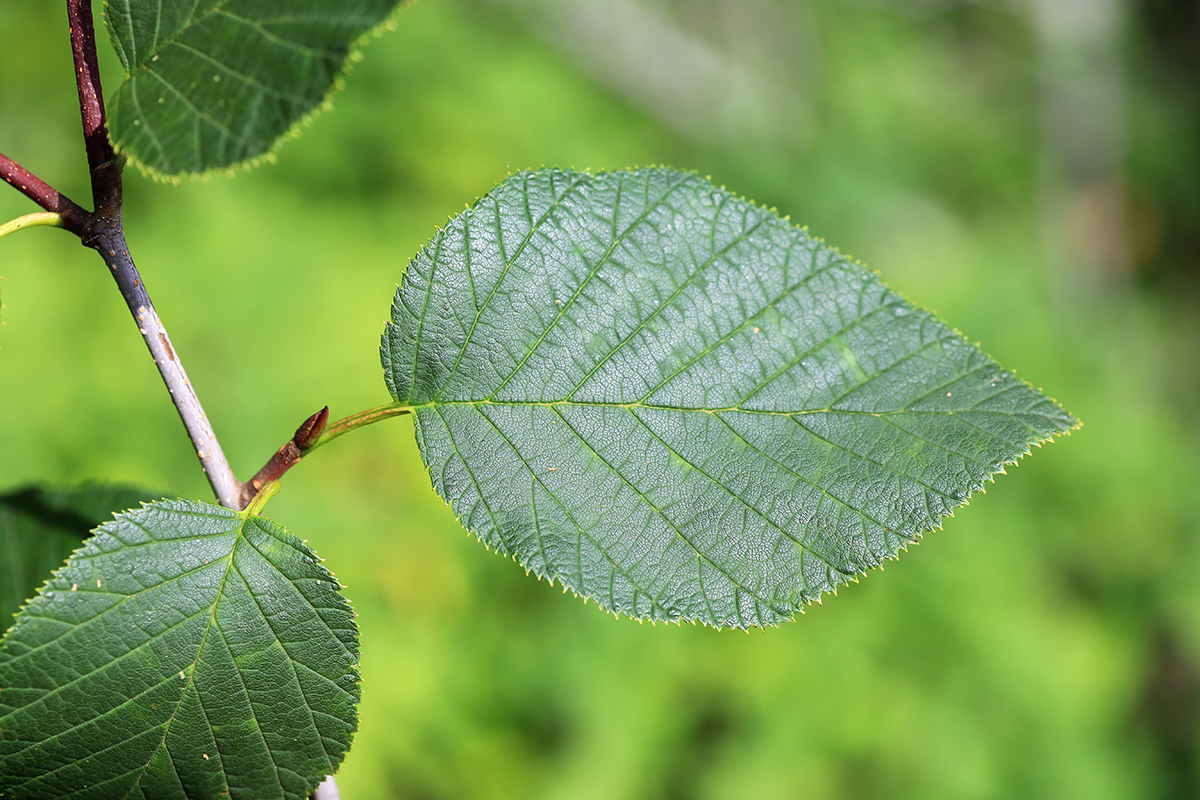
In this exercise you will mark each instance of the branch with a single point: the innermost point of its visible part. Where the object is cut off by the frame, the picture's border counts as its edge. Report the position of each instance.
(108, 238)
(74, 216)
(312, 433)
(102, 159)
(103, 232)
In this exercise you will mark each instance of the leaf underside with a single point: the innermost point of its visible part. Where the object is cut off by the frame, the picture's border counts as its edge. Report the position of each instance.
(674, 402)
(212, 84)
(184, 651)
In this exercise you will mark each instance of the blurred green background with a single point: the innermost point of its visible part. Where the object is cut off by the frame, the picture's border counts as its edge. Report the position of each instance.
(1027, 169)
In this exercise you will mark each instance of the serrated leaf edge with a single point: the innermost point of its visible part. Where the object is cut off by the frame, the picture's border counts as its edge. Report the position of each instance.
(270, 156)
(243, 520)
(17, 614)
(1073, 422)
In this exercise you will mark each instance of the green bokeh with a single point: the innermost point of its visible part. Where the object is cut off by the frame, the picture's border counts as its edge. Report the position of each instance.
(1044, 645)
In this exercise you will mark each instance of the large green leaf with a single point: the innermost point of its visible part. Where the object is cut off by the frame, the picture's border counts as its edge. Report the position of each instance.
(184, 651)
(676, 403)
(210, 84)
(40, 526)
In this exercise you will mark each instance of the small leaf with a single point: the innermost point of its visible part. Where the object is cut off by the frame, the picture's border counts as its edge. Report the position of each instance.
(185, 651)
(40, 526)
(676, 403)
(213, 84)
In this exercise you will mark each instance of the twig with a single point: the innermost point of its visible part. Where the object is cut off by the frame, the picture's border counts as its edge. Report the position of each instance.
(100, 154)
(103, 232)
(110, 242)
(73, 216)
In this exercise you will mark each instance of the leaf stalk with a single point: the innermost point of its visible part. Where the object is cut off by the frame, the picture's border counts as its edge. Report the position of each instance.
(46, 218)
(371, 415)
(255, 507)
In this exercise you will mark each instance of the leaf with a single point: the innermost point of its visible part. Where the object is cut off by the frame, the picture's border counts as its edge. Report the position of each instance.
(212, 84)
(673, 402)
(40, 526)
(184, 651)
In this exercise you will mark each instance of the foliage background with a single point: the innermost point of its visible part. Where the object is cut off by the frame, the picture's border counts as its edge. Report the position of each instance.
(1026, 169)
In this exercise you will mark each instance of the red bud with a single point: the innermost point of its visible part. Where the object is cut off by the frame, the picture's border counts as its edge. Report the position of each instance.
(311, 429)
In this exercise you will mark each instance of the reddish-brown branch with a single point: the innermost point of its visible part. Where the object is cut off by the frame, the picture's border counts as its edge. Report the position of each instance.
(74, 217)
(106, 172)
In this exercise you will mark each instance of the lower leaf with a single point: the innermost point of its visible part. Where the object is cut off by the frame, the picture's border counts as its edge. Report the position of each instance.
(184, 651)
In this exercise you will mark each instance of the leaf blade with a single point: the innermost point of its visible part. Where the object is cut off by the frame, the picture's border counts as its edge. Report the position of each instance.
(41, 525)
(220, 83)
(184, 650)
(674, 402)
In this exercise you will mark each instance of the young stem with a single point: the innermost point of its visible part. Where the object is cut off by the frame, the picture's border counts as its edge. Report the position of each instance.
(100, 154)
(287, 456)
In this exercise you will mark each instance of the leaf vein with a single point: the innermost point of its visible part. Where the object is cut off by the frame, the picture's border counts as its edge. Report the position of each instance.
(666, 303)
(892, 470)
(735, 331)
(582, 531)
(291, 664)
(508, 263)
(617, 240)
(666, 520)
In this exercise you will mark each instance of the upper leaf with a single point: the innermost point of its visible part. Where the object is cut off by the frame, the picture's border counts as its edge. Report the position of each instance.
(184, 651)
(40, 526)
(674, 402)
(211, 84)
